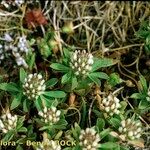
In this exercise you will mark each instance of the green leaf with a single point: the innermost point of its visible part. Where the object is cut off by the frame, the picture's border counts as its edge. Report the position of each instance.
(47, 101)
(23, 75)
(11, 87)
(143, 83)
(59, 135)
(102, 62)
(123, 105)
(61, 124)
(19, 147)
(20, 122)
(109, 145)
(30, 129)
(26, 105)
(38, 103)
(51, 82)
(45, 128)
(32, 61)
(137, 96)
(115, 122)
(104, 133)
(74, 83)
(75, 135)
(55, 94)
(144, 104)
(114, 79)
(100, 75)
(76, 131)
(44, 48)
(32, 41)
(100, 124)
(9, 135)
(59, 67)
(124, 148)
(66, 53)
(77, 147)
(22, 129)
(16, 101)
(94, 79)
(77, 127)
(65, 78)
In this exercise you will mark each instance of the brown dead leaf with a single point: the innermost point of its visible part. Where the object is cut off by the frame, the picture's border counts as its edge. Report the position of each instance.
(114, 134)
(137, 143)
(72, 99)
(34, 18)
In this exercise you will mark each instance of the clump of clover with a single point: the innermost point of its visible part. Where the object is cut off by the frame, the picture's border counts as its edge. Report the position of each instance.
(143, 96)
(81, 68)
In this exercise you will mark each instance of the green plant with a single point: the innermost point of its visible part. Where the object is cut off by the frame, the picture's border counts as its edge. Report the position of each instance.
(81, 69)
(11, 126)
(51, 119)
(69, 74)
(143, 97)
(144, 34)
(94, 137)
(31, 89)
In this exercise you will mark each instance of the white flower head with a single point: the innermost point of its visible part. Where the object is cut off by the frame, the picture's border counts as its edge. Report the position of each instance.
(89, 139)
(130, 129)
(23, 45)
(50, 115)
(49, 145)
(110, 104)
(8, 122)
(81, 62)
(34, 85)
(7, 37)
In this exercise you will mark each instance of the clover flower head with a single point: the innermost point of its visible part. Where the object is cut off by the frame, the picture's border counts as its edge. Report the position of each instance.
(49, 145)
(89, 139)
(130, 129)
(34, 85)
(81, 62)
(50, 115)
(110, 105)
(8, 122)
